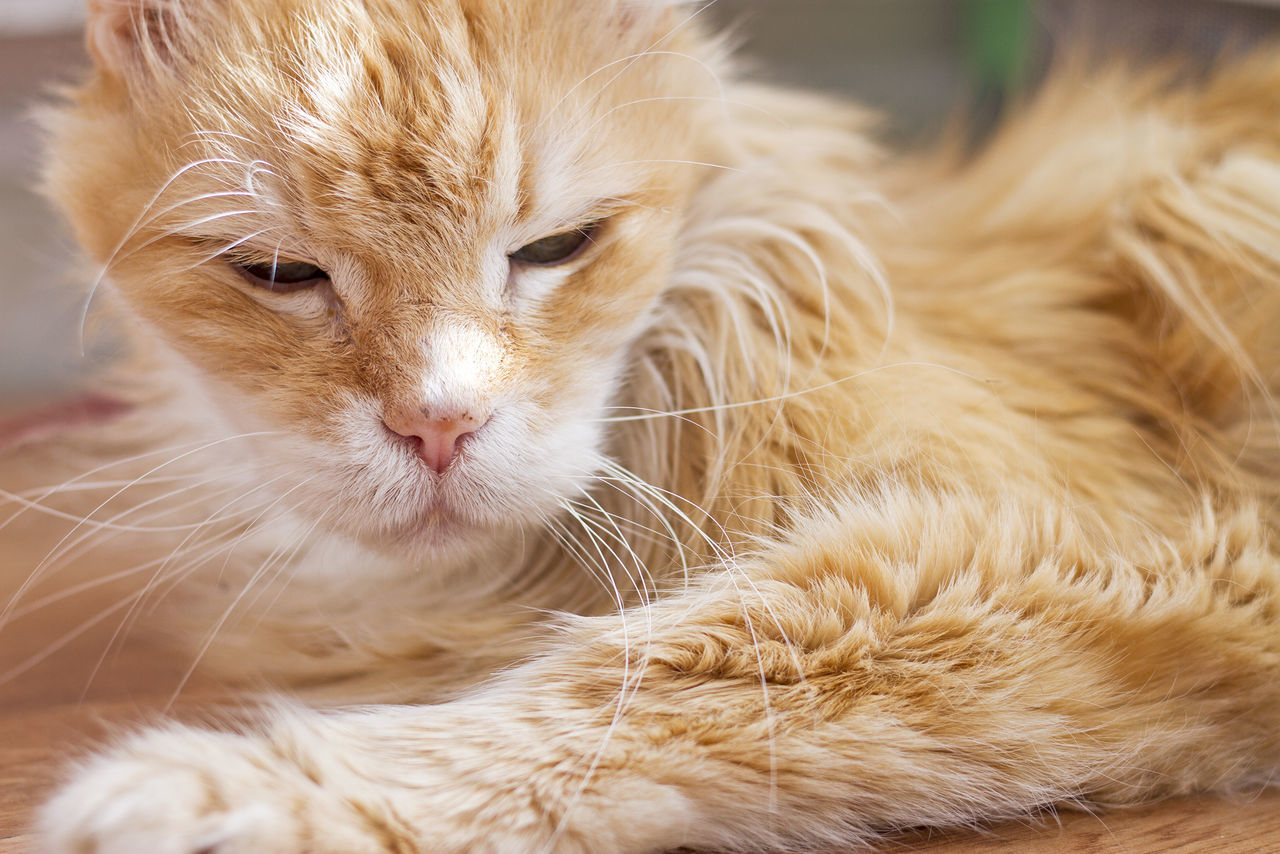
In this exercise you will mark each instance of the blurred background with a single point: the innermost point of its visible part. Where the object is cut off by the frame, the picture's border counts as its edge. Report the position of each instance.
(922, 62)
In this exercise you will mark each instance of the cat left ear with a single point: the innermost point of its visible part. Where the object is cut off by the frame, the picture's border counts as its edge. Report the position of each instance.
(127, 36)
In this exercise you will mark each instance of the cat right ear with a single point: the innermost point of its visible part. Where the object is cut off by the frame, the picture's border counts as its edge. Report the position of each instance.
(125, 37)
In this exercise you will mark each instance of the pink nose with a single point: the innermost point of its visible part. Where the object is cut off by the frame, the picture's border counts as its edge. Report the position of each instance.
(437, 438)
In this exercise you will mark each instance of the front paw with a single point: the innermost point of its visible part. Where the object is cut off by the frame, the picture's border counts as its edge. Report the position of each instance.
(191, 792)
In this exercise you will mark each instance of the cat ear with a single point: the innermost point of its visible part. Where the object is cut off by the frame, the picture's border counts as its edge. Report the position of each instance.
(127, 36)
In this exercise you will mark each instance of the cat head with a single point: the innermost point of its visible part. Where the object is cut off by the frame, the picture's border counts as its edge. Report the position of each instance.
(413, 240)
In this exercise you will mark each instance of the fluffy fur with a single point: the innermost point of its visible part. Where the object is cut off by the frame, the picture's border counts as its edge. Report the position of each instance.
(825, 494)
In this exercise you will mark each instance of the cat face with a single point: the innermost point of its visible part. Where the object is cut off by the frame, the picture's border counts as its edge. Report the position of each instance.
(413, 240)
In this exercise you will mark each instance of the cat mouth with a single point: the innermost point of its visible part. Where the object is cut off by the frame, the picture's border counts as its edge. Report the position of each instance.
(398, 496)
(439, 510)
(390, 497)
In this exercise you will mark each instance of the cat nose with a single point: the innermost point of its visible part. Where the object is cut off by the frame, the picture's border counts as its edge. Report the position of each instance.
(437, 436)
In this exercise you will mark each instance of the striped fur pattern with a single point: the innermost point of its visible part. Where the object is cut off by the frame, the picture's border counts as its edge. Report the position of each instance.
(826, 493)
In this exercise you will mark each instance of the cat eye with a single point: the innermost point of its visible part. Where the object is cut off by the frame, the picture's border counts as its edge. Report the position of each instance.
(281, 277)
(556, 249)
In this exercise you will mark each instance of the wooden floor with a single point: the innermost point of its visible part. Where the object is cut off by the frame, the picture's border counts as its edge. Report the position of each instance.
(58, 708)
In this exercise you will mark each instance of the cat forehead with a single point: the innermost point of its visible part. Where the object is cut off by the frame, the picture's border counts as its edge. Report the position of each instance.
(378, 130)
(432, 53)
(435, 41)
(423, 100)
(458, 171)
(412, 178)
(358, 120)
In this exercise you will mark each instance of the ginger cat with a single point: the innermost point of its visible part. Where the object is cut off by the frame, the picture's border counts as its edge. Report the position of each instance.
(658, 461)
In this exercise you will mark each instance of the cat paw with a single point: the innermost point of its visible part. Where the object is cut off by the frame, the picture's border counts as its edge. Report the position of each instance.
(191, 792)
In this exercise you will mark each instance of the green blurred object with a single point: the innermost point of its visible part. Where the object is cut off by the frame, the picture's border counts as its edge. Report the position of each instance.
(998, 42)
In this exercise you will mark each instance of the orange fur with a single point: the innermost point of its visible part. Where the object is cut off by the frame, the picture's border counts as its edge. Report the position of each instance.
(826, 493)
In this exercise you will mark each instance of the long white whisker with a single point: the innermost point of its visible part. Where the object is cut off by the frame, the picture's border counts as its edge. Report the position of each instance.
(34, 660)
(781, 397)
(277, 555)
(216, 443)
(89, 486)
(733, 574)
(158, 577)
(61, 555)
(728, 560)
(133, 229)
(198, 445)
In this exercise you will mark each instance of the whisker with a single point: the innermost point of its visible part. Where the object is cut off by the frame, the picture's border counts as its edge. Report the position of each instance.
(728, 560)
(163, 575)
(38, 570)
(44, 654)
(60, 556)
(186, 226)
(666, 160)
(133, 229)
(276, 556)
(89, 486)
(198, 446)
(157, 578)
(627, 62)
(69, 592)
(782, 397)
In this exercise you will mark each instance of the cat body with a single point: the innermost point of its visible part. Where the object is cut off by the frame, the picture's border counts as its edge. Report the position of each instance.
(815, 494)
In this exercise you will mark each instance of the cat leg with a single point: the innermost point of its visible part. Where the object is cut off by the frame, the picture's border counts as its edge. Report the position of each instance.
(893, 664)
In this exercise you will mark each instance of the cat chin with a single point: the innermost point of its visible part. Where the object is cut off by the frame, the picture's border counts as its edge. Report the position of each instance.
(444, 545)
